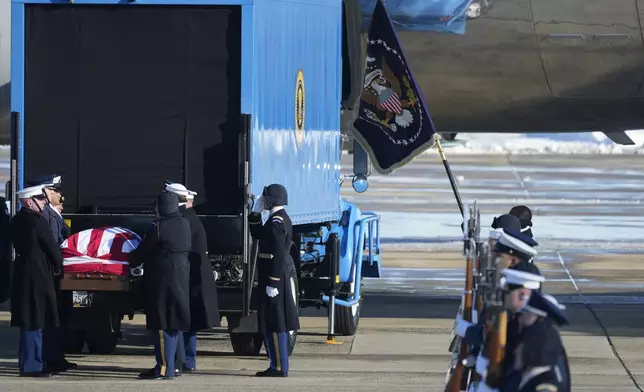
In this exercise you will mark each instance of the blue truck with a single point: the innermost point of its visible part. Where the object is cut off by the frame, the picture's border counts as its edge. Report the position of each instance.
(225, 96)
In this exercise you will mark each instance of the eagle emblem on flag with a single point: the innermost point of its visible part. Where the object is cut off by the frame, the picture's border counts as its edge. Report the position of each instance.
(389, 104)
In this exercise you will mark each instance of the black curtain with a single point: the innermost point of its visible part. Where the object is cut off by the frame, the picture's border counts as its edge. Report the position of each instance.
(120, 98)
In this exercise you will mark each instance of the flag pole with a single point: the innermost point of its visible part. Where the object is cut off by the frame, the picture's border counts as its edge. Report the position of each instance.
(450, 176)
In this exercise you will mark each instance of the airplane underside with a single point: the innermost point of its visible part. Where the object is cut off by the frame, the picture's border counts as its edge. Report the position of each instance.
(500, 66)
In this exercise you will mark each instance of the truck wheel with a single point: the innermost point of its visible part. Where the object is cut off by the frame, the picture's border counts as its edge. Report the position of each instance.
(246, 344)
(74, 341)
(292, 339)
(102, 342)
(347, 319)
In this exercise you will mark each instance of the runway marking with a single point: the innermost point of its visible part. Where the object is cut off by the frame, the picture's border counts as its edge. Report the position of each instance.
(518, 177)
(599, 322)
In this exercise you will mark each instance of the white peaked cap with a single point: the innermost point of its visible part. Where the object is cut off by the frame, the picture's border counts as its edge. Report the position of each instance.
(31, 191)
(554, 301)
(495, 234)
(180, 190)
(516, 244)
(522, 278)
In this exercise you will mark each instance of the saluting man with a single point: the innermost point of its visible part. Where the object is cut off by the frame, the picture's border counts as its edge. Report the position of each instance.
(278, 310)
(204, 308)
(54, 338)
(33, 300)
(164, 250)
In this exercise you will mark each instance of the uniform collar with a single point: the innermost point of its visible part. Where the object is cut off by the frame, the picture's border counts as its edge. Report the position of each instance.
(55, 210)
(532, 373)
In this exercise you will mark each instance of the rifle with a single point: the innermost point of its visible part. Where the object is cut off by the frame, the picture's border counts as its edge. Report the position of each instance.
(495, 332)
(460, 374)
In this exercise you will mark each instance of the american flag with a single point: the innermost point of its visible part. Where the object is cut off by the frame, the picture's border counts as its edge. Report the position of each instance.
(105, 250)
(392, 102)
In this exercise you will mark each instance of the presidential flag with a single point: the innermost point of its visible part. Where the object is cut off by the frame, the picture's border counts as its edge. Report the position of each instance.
(393, 124)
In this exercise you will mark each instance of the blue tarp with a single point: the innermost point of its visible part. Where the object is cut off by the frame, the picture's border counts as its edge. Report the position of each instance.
(421, 15)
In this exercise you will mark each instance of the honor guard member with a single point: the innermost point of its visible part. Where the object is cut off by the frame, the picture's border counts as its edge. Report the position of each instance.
(278, 310)
(541, 358)
(54, 338)
(204, 308)
(57, 225)
(519, 284)
(514, 247)
(164, 250)
(472, 333)
(499, 223)
(514, 250)
(525, 217)
(33, 300)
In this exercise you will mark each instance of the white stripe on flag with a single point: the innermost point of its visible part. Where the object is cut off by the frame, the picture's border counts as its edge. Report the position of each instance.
(82, 243)
(88, 260)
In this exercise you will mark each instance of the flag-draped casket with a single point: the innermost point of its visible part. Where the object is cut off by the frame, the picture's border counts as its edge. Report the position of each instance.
(105, 250)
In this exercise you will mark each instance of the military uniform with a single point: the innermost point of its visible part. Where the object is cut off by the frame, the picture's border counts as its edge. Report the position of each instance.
(544, 360)
(166, 280)
(521, 275)
(54, 338)
(278, 309)
(204, 307)
(33, 300)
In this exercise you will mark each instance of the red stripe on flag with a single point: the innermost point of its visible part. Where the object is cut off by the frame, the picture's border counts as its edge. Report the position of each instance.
(94, 242)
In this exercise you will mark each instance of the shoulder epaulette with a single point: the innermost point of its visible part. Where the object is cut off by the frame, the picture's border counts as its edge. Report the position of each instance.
(546, 388)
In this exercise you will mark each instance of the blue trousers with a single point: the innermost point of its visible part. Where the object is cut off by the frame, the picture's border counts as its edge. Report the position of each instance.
(277, 347)
(187, 349)
(52, 345)
(165, 348)
(30, 351)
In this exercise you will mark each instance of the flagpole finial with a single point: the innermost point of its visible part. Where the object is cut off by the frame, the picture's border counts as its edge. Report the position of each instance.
(437, 142)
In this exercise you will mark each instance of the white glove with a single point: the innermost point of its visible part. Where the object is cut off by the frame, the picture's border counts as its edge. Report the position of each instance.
(483, 387)
(481, 365)
(475, 316)
(259, 204)
(271, 291)
(462, 326)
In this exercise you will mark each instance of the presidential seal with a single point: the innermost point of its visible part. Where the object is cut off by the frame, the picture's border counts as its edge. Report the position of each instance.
(390, 102)
(300, 107)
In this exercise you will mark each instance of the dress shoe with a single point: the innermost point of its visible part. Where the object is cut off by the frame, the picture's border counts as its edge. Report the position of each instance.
(42, 374)
(189, 370)
(178, 372)
(153, 374)
(70, 365)
(271, 373)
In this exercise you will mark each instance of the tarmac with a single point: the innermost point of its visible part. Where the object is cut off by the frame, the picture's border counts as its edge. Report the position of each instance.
(407, 314)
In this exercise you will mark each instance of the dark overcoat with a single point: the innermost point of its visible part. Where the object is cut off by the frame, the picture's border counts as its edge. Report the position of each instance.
(38, 257)
(204, 308)
(276, 269)
(166, 277)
